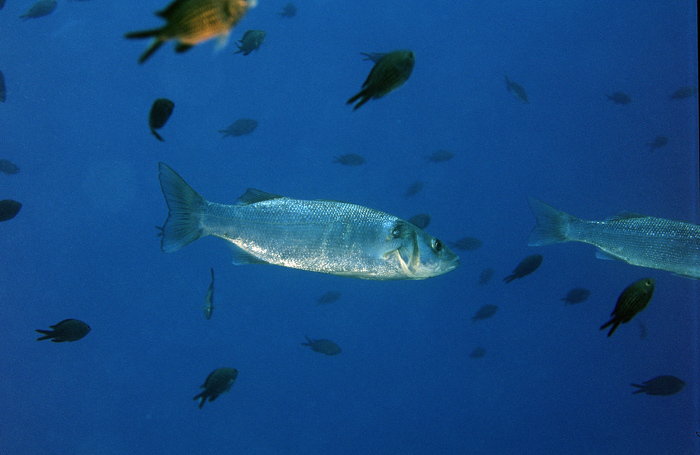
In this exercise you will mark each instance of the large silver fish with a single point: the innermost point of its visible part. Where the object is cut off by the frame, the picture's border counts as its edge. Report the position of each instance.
(636, 239)
(321, 236)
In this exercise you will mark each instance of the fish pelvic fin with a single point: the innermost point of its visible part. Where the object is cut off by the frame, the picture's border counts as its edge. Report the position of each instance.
(185, 207)
(552, 224)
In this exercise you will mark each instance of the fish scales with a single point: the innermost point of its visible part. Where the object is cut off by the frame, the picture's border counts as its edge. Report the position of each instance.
(322, 236)
(316, 235)
(639, 240)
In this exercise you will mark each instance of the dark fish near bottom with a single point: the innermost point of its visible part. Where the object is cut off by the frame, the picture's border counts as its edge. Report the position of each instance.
(661, 385)
(526, 267)
(218, 382)
(66, 330)
(159, 115)
(9, 209)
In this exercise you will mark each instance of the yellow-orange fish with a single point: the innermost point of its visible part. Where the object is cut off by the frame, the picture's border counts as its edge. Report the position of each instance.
(191, 22)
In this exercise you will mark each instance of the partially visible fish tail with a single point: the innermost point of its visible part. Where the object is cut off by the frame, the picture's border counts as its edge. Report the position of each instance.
(185, 208)
(362, 94)
(552, 224)
(158, 136)
(47, 334)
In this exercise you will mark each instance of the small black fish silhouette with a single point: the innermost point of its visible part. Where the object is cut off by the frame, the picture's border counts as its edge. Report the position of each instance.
(66, 330)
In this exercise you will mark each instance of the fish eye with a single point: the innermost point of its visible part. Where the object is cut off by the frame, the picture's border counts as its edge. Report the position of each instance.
(437, 245)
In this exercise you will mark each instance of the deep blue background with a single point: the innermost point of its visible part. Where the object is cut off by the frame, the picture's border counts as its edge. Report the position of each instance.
(84, 244)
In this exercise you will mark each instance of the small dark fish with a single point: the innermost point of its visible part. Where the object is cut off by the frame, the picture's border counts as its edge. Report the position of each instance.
(2, 3)
(526, 267)
(389, 73)
(159, 115)
(661, 385)
(190, 22)
(209, 298)
(485, 276)
(517, 90)
(373, 56)
(240, 127)
(328, 297)
(577, 295)
(633, 299)
(413, 189)
(66, 330)
(422, 220)
(326, 347)
(478, 353)
(3, 90)
(251, 41)
(9, 209)
(39, 9)
(218, 382)
(288, 10)
(619, 98)
(485, 312)
(683, 93)
(8, 167)
(657, 143)
(440, 156)
(467, 244)
(350, 159)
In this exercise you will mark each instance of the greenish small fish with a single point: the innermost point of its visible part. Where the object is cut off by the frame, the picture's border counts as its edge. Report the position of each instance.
(66, 330)
(209, 298)
(390, 72)
(661, 385)
(576, 295)
(218, 382)
(517, 90)
(633, 299)
(684, 92)
(240, 127)
(318, 235)
(8, 167)
(326, 347)
(485, 312)
(251, 41)
(40, 9)
(636, 239)
(288, 10)
(619, 98)
(190, 22)
(485, 276)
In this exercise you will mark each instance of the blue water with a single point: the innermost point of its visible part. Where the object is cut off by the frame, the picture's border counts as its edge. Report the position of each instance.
(84, 244)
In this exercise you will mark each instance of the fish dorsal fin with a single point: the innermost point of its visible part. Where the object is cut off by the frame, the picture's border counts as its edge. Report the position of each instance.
(625, 216)
(167, 12)
(252, 196)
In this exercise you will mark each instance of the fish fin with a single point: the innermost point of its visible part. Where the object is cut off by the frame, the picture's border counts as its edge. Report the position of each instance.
(150, 33)
(165, 13)
(600, 254)
(253, 195)
(158, 136)
(615, 322)
(362, 94)
(552, 224)
(180, 47)
(150, 50)
(185, 206)
(625, 216)
(309, 342)
(241, 257)
(222, 41)
(641, 388)
(509, 278)
(47, 334)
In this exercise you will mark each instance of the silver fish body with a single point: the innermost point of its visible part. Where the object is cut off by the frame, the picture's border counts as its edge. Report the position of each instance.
(316, 235)
(639, 240)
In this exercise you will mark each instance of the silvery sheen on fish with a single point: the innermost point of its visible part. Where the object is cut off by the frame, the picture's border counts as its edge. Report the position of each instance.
(636, 239)
(318, 235)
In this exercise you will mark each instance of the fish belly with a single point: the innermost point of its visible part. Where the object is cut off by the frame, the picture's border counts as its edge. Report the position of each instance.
(656, 243)
(321, 236)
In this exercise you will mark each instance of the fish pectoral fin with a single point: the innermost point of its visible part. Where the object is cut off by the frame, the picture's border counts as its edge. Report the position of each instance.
(241, 257)
(253, 195)
(389, 247)
(181, 47)
(600, 254)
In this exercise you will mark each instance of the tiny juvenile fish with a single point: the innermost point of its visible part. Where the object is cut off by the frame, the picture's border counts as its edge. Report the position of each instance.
(288, 10)
(8, 167)
(390, 72)
(251, 41)
(644, 241)
(485, 312)
(318, 235)
(350, 159)
(517, 90)
(326, 347)
(190, 22)
(661, 385)
(633, 299)
(619, 98)
(160, 112)
(657, 143)
(525, 267)
(683, 93)
(576, 295)
(39, 9)
(209, 298)
(240, 127)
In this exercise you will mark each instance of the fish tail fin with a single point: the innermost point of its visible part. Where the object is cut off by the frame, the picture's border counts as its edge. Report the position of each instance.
(46, 333)
(641, 388)
(185, 208)
(552, 224)
(158, 136)
(509, 278)
(362, 94)
(614, 322)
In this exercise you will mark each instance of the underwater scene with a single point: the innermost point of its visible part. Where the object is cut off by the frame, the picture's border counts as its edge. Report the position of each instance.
(331, 227)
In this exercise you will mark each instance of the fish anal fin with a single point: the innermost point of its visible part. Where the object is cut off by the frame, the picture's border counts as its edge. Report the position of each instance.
(242, 257)
(181, 47)
(253, 195)
(605, 255)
